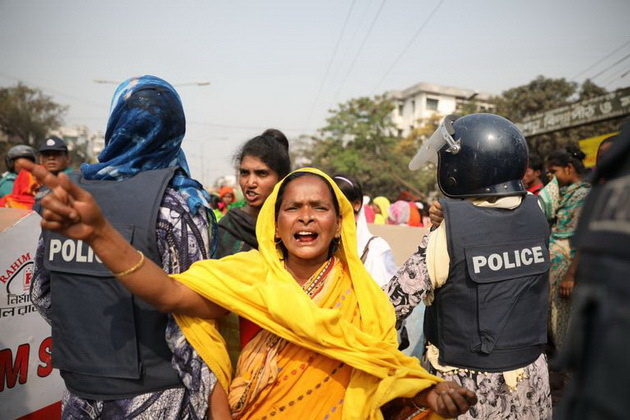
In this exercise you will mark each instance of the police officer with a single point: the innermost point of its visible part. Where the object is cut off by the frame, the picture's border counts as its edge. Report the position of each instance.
(483, 273)
(54, 156)
(12, 160)
(599, 334)
(110, 346)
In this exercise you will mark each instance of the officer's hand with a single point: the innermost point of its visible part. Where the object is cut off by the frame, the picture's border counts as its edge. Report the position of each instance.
(435, 214)
(447, 399)
(67, 208)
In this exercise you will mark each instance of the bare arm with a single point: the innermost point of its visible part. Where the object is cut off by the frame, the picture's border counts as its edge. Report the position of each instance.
(72, 211)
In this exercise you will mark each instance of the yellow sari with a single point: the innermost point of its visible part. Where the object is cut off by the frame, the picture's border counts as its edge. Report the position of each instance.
(348, 337)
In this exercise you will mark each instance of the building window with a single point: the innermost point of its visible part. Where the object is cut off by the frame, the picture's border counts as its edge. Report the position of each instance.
(432, 104)
(413, 108)
(400, 109)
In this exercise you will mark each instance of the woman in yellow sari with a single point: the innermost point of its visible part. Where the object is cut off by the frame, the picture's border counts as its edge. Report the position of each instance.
(327, 346)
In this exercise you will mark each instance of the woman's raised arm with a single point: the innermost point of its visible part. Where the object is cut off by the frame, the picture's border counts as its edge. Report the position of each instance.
(72, 212)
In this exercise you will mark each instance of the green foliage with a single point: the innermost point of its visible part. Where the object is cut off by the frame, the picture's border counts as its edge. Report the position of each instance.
(540, 95)
(544, 94)
(360, 139)
(27, 115)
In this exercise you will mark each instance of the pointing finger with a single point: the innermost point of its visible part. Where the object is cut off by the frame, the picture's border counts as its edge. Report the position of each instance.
(41, 173)
(73, 189)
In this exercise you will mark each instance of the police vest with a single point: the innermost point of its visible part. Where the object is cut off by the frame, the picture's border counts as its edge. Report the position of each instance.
(491, 314)
(107, 343)
(598, 340)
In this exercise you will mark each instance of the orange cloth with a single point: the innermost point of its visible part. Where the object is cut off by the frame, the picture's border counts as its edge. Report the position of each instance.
(414, 215)
(279, 379)
(23, 194)
(226, 190)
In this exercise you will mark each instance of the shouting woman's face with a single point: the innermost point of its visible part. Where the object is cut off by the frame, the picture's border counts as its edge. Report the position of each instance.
(307, 221)
(256, 180)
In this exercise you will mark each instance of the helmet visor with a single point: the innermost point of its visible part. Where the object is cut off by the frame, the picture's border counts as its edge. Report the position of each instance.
(430, 147)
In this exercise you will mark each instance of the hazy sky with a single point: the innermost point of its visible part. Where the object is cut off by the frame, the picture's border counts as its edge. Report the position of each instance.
(284, 64)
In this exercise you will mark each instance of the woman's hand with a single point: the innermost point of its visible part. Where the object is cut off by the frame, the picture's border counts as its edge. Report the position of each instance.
(565, 288)
(435, 214)
(446, 399)
(67, 208)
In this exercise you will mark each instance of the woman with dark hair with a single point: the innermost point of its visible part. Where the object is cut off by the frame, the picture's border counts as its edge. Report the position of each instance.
(327, 345)
(374, 251)
(262, 162)
(562, 200)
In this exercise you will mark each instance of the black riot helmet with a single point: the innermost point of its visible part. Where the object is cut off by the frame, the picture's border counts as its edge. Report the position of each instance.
(19, 151)
(478, 155)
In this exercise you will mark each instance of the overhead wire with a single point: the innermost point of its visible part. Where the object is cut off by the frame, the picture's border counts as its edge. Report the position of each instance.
(601, 60)
(330, 63)
(356, 56)
(621, 60)
(240, 127)
(618, 76)
(409, 44)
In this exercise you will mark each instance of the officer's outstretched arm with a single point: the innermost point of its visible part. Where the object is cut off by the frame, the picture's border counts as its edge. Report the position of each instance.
(71, 211)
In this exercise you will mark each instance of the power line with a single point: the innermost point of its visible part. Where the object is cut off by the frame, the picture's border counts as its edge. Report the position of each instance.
(614, 75)
(600, 61)
(240, 127)
(611, 66)
(332, 58)
(409, 44)
(618, 77)
(367, 35)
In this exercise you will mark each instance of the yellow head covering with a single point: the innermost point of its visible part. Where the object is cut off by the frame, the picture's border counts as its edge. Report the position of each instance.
(256, 285)
(383, 204)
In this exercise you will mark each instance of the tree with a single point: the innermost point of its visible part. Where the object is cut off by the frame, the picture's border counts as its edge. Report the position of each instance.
(540, 95)
(544, 94)
(361, 139)
(27, 115)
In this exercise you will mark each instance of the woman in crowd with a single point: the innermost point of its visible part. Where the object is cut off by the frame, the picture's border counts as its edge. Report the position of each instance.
(226, 194)
(374, 251)
(327, 347)
(485, 326)
(562, 200)
(262, 162)
(381, 207)
(91, 315)
(377, 256)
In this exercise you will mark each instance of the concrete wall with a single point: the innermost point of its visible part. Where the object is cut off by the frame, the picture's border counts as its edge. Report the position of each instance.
(404, 240)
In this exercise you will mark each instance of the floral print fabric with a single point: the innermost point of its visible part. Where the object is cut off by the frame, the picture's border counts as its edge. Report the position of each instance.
(182, 239)
(532, 397)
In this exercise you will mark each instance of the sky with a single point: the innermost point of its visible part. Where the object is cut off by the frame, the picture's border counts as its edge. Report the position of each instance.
(285, 64)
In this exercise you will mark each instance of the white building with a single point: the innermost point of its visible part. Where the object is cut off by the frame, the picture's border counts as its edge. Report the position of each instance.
(87, 143)
(421, 101)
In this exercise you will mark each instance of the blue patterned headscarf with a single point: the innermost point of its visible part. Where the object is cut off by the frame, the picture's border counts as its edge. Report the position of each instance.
(145, 131)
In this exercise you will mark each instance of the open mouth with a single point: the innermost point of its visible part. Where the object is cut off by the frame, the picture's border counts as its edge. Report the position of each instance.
(251, 195)
(305, 236)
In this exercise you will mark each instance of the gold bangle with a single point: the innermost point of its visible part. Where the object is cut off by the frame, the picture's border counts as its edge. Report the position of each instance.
(133, 269)
(416, 406)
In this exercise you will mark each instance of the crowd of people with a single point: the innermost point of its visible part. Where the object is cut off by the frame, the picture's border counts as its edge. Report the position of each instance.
(283, 304)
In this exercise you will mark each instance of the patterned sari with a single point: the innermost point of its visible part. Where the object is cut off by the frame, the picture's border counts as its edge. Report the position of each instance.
(272, 379)
(330, 355)
(562, 206)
